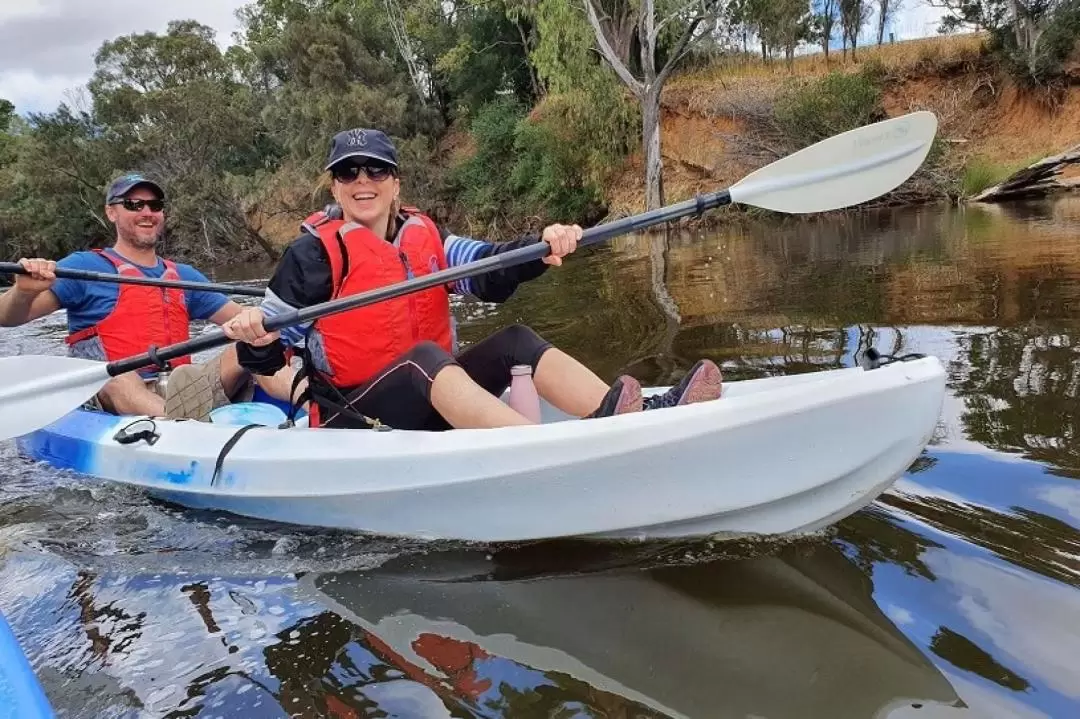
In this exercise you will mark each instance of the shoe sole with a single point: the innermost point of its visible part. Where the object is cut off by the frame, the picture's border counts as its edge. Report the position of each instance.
(704, 386)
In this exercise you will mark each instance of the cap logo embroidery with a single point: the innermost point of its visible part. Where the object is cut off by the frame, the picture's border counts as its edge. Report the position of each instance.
(357, 138)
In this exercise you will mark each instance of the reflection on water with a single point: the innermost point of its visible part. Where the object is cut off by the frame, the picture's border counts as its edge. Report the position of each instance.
(766, 636)
(955, 595)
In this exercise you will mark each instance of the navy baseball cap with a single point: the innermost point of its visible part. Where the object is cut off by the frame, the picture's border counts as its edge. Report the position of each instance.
(126, 183)
(361, 142)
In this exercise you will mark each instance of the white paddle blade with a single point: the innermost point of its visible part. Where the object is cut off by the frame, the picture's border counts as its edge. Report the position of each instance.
(844, 170)
(40, 389)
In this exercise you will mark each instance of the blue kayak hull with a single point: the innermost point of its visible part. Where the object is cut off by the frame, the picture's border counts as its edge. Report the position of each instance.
(21, 696)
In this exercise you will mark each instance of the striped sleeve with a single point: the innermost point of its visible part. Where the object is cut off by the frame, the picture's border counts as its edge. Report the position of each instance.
(495, 285)
(462, 251)
(272, 306)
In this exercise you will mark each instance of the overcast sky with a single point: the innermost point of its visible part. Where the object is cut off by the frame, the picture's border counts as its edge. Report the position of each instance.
(47, 46)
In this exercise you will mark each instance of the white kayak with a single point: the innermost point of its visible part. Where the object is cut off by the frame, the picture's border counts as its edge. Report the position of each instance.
(774, 456)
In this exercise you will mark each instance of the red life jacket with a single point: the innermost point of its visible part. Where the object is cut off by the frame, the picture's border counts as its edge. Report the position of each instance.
(143, 316)
(360, 342)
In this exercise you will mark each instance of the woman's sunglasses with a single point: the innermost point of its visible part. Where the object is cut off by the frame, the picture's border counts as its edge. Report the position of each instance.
(137, 205)
(349, 172)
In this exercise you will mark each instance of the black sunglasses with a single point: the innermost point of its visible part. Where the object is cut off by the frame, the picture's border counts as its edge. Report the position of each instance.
(137, 205)
(350, 171)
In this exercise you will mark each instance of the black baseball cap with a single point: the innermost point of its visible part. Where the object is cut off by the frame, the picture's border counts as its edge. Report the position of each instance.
(361, 142)
(126, 183)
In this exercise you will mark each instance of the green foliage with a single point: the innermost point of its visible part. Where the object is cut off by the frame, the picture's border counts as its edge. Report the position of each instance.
(7, 140)
(7, 114)
(569, 147)
(176, 110)
(1034, 46)
(548, 165)
(549, 173)
(490, 57)
(809, 112)
(1037, 58)
(53, 189)
(980, 174)
(564, 57)
(239, 137)
(482, 182)
(334, 67)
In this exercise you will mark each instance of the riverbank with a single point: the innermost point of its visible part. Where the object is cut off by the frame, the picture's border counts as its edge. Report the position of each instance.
(506, 169)
(714, 126)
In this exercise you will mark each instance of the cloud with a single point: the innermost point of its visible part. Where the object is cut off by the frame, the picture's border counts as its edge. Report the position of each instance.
(1030, 621)
(48, 46)
(899, 615)
(1063, 496)
(916, 18)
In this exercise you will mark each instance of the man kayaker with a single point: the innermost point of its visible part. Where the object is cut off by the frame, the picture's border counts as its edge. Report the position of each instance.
(395, 361)
(109, 321)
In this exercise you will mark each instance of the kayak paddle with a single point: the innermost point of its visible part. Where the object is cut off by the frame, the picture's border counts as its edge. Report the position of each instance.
(843, 170)
(14, 268)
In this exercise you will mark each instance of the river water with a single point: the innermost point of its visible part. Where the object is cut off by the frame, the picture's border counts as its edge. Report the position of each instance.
(956, 594)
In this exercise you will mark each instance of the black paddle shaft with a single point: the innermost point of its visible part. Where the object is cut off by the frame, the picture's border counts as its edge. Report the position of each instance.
(536, 251)
(14, 268)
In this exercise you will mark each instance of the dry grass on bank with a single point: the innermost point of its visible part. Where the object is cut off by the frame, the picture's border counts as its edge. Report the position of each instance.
(898, 58)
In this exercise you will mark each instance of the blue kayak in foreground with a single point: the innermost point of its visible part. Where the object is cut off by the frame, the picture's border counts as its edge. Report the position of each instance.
(21, 696)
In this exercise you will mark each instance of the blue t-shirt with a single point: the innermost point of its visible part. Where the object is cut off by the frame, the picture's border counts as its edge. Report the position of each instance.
(87, 303)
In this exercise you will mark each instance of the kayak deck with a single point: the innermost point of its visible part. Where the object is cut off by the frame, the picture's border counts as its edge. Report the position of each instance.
(779, 455)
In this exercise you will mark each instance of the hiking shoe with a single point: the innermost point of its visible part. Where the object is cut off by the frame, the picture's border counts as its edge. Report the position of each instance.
(624, 396)
(193, 391)
(701, 384)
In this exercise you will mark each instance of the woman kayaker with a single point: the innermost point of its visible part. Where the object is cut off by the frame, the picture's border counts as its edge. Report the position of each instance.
(395, 361)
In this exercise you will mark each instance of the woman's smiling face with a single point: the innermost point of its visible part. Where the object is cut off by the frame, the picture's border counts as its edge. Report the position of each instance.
(365, 190)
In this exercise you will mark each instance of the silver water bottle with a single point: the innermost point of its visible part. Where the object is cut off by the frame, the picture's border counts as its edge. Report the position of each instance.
(162, 382)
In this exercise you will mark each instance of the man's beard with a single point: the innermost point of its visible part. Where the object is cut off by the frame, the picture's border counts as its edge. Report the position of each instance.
(135, 239)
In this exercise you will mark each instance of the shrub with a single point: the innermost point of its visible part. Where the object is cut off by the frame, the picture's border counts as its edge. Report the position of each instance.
(807, 113)
(482, 182)
(549, 165)
(567, 150)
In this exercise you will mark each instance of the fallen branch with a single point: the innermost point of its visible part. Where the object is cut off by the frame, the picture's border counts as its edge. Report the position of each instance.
(1036, 180)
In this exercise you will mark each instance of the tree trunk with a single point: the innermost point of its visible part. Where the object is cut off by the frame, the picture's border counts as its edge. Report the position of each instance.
(1018, 26)
(650, 141)
(648, 88)
(265, 244)
(883, 16)
(527, 46)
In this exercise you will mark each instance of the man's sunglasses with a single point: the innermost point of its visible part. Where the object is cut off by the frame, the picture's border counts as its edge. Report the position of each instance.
(349, 172)
(137, 205)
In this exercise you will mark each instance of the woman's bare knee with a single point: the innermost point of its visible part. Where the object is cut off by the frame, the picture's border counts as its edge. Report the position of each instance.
(465, 404)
